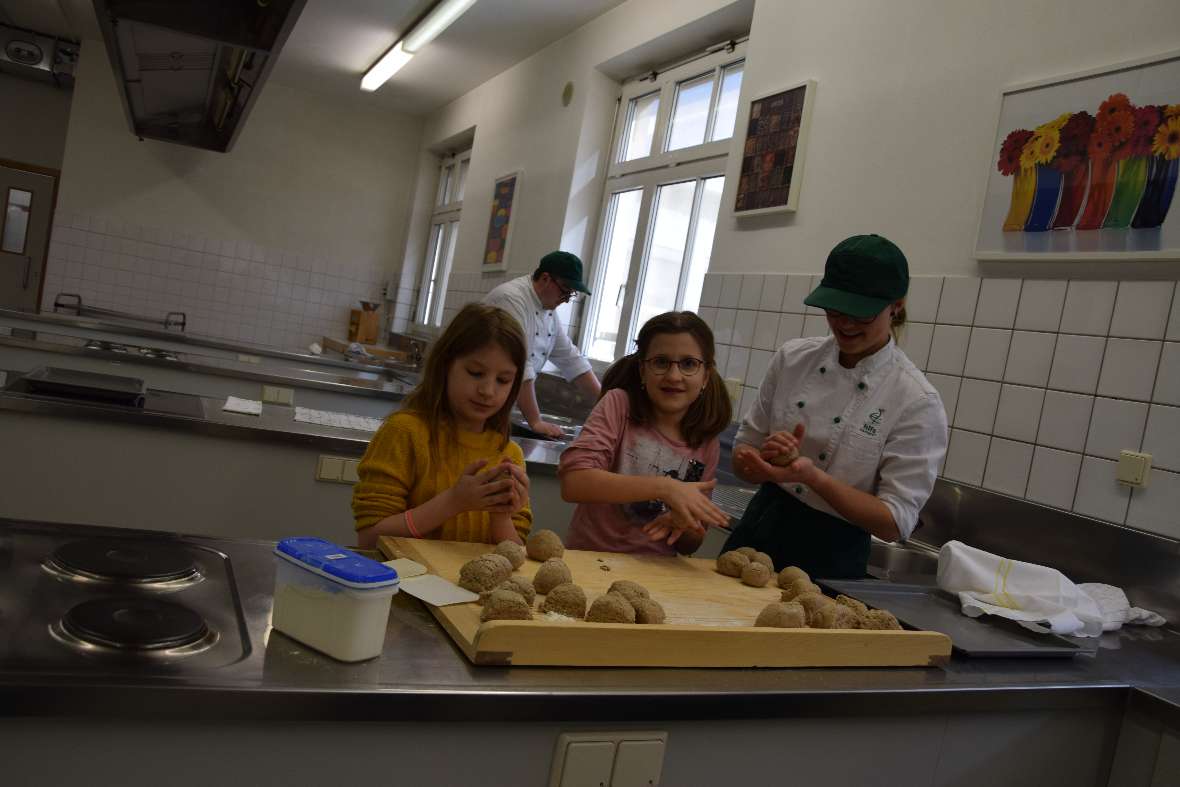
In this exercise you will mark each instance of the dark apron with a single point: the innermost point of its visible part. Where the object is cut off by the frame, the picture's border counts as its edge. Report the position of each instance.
(795, 534)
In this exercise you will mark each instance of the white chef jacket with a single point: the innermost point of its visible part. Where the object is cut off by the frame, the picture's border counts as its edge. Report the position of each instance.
(879, 427)
(544, 333)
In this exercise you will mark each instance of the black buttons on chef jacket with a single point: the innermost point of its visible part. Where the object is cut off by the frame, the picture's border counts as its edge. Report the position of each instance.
(798, 490)
(823, 370)
(823, 455)
(800, 403)
(860, 386)
(836, 420)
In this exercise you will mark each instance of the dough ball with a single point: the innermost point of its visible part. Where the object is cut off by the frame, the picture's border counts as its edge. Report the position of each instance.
(798, 587)
(813, 603)
(749, 552)
(566, 599)
(764, 559)
(517, 585)
(632, 591)
(484, 573)
(505, 605)
(513, 551)
(611, 608)
(553, 572)
(834, 616)
(790, 574)
(782, 460)
(648, 610)
(731, 564)
(544, 544)
(783, 615)
(879, 620)
(756, 575)
(848, 601)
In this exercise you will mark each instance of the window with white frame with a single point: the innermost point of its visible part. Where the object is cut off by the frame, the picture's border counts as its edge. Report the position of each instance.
(662, 196)
(444, 229)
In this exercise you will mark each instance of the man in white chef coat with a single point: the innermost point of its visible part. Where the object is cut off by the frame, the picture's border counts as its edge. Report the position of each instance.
(532, 300)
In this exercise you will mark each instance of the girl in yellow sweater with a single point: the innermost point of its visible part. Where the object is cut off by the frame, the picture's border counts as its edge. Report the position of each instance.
(443, 466)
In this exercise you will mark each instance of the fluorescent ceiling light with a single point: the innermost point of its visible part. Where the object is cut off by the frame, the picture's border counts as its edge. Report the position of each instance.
(423, 33)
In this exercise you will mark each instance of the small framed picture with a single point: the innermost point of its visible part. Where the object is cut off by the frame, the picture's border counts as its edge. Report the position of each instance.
(498, 243)
(773, 151)
(1083, 167)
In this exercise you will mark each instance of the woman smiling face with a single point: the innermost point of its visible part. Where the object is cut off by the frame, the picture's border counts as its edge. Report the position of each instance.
(857, 337)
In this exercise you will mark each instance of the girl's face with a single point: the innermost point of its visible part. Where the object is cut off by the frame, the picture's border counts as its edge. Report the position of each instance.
(478, 384)
(672, 392)
(858, 338)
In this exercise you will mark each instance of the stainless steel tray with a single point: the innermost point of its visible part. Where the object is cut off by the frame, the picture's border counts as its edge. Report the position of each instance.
(929, 608)
(91, 386)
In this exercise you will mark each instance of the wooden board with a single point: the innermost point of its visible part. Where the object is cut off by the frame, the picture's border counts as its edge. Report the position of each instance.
(710, 620)
(336, 345)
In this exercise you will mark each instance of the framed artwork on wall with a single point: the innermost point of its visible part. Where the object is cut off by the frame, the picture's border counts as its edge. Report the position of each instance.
(773, 151)
(1083, 167)
(498, 242)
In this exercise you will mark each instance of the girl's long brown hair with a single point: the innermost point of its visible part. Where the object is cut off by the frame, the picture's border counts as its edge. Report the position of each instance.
(473, 328)
(709, 415)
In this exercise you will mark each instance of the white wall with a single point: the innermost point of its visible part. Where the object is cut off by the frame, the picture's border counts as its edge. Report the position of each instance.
(35, 117)
(905, 113)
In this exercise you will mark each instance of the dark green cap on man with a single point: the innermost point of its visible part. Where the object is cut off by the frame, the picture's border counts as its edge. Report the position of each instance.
(863, 275)
(564, 266)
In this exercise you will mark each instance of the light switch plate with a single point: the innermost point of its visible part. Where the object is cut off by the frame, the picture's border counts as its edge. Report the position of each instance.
(636, 757)
(329, 468)
(1134, 469)
(348, 472)
(273, 394)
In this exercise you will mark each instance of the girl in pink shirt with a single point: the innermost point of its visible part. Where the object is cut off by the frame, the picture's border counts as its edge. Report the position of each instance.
(643, 467)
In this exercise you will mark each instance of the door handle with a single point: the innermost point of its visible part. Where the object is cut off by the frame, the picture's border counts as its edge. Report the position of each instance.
(28, 270)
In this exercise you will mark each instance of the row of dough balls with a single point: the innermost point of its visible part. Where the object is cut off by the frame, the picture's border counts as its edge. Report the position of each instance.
(624, 602)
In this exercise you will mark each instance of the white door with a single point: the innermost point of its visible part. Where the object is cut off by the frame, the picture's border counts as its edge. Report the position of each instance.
(26, 204)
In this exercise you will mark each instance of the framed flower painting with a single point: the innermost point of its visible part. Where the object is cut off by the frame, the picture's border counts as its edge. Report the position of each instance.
(1084, 167)
(498, 242)
(773, 152)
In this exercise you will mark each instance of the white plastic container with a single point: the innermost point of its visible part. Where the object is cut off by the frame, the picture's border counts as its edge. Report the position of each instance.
(332, 599)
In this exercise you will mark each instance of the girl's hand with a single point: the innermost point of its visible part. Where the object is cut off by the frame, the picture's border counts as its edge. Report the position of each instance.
(784, 443)
(487, 491)
(507, 469)
(749, 464)
(665, 527)
(687, 503)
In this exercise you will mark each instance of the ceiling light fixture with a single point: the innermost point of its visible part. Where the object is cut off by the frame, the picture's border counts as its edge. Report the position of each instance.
(438, 20)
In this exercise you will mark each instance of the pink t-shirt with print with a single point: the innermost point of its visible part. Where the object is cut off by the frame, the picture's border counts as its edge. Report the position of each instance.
(611, 441)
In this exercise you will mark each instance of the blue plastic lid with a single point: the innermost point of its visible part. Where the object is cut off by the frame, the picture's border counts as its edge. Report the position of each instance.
(335, 562)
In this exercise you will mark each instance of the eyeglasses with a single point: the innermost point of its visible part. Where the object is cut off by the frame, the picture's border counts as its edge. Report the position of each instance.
(835, 315)
(567, 293)
(662, 364)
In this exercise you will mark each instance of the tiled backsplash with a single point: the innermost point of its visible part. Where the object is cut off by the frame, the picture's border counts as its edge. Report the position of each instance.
(1044, 382)
(229, 289)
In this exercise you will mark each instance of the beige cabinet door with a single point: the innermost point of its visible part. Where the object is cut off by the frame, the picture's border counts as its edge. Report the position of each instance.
(26, 205)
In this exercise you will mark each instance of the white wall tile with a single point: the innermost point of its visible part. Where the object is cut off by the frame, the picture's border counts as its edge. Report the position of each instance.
(1128, 368)
(1065, 420)
(1155, 508)
(1019, 413)
(798, 288)
(966, 457)
(731, 290)
(948, 390)
(1076, 362)
(790, 326)
(766, 330)
(709, 315)
(915, 342)
(723, 330)
(1162, 437)
(815, 325)
(921, 303)
(1088, 307)
(957, 304)
(998, 299)
(756, 370)
(751, 294)
(1053, 478)
(774, 286)
(948, 349)
(1115, 425)
(1099, 495)
(722, 358)
(987, 353)
(1030, 357)
(1167, 382)
(976, 408)
(1007, 467)
(739, 359)
(743, 328)
(711, 290)
(1141, 309)
(749, 395)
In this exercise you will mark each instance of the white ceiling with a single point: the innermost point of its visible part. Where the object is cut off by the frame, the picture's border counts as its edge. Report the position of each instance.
(335, 41)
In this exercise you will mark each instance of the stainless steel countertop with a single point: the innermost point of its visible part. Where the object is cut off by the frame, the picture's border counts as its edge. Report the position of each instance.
(421, 674)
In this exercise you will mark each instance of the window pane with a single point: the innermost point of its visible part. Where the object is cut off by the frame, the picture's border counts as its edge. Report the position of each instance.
(429, 272)
(641, 126)
(661, 278)
(619, 232)
(462, 179)
(444, 185)
(16, 220)
(444, 270)
(690, 113)
(727, 102)
(702, 242)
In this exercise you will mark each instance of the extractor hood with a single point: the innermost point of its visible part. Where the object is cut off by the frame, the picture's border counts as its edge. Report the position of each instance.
(189, 71)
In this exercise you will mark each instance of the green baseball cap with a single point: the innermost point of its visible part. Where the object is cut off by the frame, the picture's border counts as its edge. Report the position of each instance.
(565, 266)
(863, 275)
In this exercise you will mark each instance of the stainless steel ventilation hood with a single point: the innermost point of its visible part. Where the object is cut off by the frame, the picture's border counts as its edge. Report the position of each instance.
(189, 71)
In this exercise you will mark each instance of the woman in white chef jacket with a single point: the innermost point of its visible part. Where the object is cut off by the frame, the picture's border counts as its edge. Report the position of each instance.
(870, 430)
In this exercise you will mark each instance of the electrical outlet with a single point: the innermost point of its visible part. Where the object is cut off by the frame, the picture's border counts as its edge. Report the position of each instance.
(1134, 469)
(273, 394)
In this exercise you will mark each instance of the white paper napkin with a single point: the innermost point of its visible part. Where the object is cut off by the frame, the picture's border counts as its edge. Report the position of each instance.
(234, 404)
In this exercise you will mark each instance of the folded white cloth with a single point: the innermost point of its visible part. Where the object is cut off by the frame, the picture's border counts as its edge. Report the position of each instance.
(1116, 609)
(1039, 598)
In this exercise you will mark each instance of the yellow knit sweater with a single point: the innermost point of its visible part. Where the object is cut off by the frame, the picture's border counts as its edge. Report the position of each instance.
(397, 474)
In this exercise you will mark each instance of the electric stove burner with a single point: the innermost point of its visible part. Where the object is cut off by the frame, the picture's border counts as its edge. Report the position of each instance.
(125, 562)
(135, 624)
